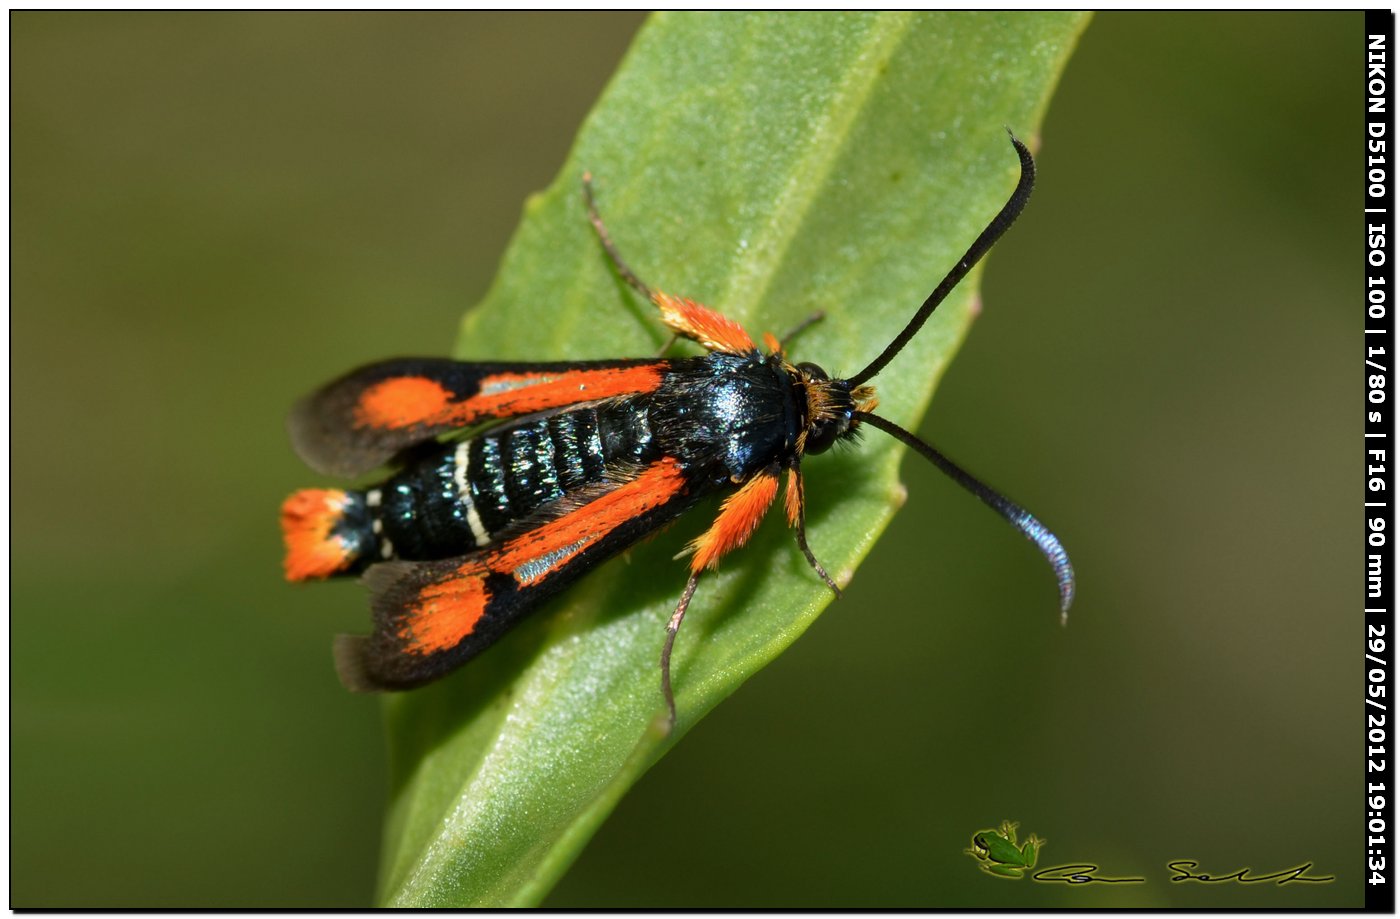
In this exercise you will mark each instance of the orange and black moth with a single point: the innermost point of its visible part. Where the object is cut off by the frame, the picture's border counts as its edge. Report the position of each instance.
(512, 480)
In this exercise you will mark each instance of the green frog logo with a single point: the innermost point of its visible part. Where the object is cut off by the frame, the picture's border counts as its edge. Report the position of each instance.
(998, 853)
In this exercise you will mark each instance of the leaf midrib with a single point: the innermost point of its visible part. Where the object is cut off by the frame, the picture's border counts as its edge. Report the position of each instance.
(747, 286)
(749, 282)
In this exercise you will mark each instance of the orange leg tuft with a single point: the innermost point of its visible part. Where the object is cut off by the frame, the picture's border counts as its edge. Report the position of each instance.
(715, 331)
(795, 505)
(737, 520)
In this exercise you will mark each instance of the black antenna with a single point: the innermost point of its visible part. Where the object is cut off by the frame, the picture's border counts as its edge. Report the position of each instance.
(999, 225)
(1048, 544)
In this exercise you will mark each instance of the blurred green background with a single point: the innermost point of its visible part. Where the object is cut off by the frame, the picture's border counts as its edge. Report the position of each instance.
(212, 214)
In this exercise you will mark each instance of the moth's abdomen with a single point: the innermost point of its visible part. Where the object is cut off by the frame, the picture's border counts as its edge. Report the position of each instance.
(462, 496)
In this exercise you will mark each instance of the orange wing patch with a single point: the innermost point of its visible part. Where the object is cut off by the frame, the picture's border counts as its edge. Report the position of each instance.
(518, 394)
(448, 610)
(446, 613)
(737, 520)
(715, 331)
(403, 402)
(535, 554)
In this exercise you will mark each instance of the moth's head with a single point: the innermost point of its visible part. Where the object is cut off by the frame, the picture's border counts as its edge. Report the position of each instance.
(830, 407)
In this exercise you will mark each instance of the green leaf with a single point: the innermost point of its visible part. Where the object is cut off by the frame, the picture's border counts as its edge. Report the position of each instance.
(768, 165)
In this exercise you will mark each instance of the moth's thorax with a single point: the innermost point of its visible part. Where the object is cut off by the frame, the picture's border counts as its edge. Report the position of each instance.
(728, 416)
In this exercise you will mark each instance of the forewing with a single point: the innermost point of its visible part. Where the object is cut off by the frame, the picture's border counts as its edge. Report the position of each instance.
(431, 617)
(366, 417)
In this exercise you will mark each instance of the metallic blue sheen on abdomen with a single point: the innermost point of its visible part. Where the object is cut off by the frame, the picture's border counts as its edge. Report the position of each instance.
(461, 496)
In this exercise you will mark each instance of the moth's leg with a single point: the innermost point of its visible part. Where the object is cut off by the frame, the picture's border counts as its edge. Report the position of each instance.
(801, 327)
(684, 316)
(623, 270)
(672, 628)
(796, 506)
(737, 520)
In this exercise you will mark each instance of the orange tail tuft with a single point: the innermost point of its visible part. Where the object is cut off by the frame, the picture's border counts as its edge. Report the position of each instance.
(309, 522)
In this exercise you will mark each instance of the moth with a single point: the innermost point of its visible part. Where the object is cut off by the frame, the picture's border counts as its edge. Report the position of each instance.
(511, 480)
